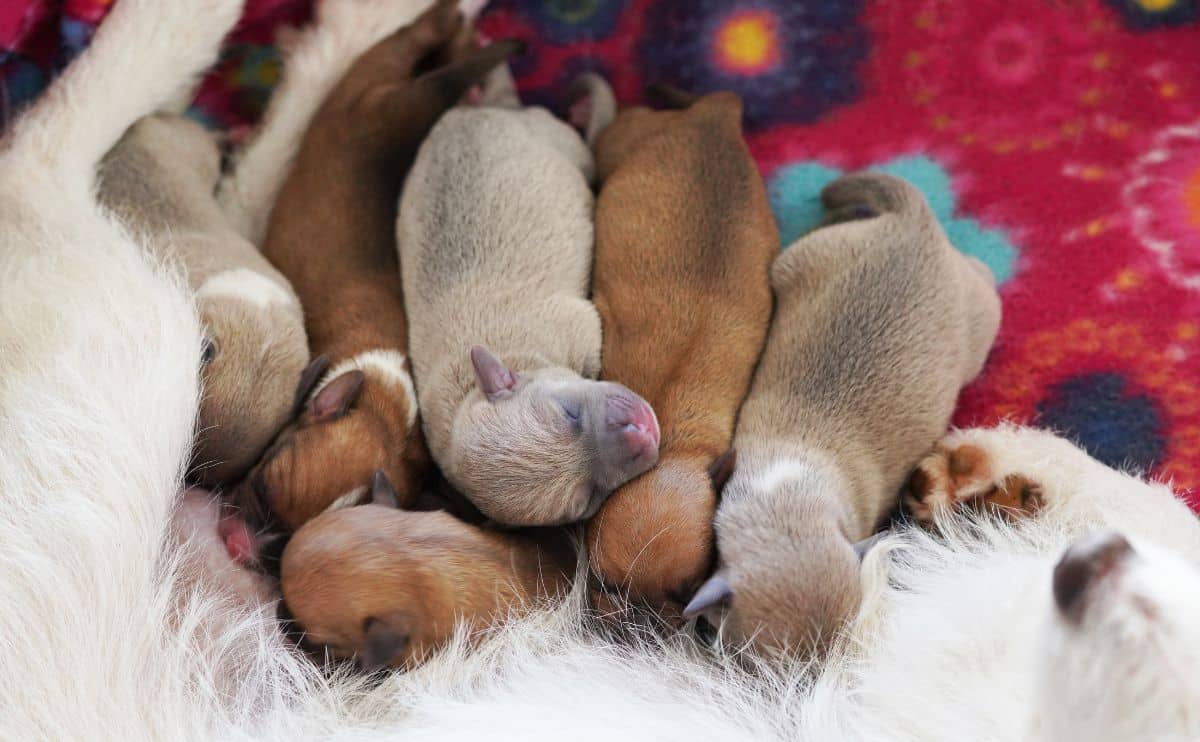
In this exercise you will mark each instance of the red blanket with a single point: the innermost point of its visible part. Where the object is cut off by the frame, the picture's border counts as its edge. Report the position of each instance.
(1058, 140)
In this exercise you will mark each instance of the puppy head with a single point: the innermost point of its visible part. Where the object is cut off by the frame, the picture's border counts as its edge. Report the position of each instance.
(547, 447)
(352, 433)
(652, 541)
(1123, 644)
(788, 577)
(255, 350)
(389, 586)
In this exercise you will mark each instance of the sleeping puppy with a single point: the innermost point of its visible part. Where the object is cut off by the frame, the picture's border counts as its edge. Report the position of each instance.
(495, 236)
(389, 586)
(159, 181)
(879, 321)
(332, 233)
(682, 218)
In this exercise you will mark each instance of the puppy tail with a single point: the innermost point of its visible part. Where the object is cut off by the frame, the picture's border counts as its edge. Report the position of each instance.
(147, 55)
(593, 105)
(867, 194)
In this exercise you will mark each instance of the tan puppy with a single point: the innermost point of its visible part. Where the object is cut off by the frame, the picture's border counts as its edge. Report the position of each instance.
(390, 586)
(684, 242)
(878, 323)
(495, 236)
(159, 180)
(332, 232)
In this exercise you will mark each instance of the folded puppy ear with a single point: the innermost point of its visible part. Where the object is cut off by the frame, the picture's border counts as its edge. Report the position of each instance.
(382, 491)
(309, 377)
(713, 593)
(722, 469)
(383, 641)
(494, 378)
(452, 81)
(862, 547)
(336, 398)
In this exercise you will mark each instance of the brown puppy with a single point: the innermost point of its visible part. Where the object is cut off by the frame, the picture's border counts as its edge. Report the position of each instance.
(390, 586)
(684, 243)
(332, 233)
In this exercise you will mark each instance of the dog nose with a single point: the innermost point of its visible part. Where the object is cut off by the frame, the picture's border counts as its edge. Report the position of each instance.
(637, 423)
(1082, 565)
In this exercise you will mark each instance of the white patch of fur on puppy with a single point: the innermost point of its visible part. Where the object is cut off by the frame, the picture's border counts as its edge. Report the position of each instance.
(350, 499)
(385, 365)
(780, 471)
(247, 285)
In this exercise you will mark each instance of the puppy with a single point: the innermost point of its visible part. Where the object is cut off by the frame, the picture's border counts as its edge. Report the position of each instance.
(159, 181)
(332, 233)
(879, 321)
(682, 217)
(495, 236)
(390, 586)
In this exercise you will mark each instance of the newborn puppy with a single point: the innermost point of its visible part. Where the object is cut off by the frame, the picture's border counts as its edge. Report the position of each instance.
(159, 181)
(390, 586)
(495, 236)
(878, 323)
(682, 222)
(332, 232)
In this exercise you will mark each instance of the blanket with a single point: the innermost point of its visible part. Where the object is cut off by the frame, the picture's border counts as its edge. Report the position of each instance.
(1057, 140)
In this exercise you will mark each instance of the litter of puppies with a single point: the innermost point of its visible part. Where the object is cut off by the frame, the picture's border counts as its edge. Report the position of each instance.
(518, 328)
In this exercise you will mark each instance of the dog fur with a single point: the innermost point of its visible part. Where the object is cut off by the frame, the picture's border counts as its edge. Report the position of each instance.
(495, 257)
(878, 323)
(682, 218)
(159, 180)
(332, 233)
(390, 587)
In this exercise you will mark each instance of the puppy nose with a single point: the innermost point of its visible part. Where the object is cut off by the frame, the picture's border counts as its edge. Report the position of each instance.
(637, 423)
(1082, 565)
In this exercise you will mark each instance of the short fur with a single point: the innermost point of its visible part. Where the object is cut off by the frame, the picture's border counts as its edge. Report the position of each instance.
(878, 323)
(159, 180)
(495, 236)
(682, 221)
(332, 233)
(391, 586)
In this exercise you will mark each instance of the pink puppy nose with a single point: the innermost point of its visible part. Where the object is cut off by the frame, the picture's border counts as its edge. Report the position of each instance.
(641, 433)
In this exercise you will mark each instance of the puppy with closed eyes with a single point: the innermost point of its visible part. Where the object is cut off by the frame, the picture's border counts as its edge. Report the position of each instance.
(159, 181)
(682, 222)
(495, 236)
(389, 586)
(879, 322)
(332, 233)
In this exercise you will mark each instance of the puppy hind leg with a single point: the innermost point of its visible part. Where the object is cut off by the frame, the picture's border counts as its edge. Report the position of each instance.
(983, 311)
(146, 55)
(318, 58)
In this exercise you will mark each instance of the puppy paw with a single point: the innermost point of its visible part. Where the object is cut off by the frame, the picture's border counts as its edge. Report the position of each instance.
(962, 472)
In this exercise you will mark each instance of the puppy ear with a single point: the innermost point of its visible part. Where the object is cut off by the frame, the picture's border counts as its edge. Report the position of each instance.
(383, 641)
(336, 398)
(309, 377)
(862, 547)
(722, 469)
(452, 81)
(382, 491)
(713, 593)
(494, 378)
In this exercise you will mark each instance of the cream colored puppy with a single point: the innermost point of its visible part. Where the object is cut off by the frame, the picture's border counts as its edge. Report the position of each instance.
(159, 181)
(878, 323)
(495, 239)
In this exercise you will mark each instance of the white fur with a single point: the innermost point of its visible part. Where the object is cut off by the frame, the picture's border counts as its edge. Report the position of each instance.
(384, 365)
(314, 61)
(780, 471)
(247, 285)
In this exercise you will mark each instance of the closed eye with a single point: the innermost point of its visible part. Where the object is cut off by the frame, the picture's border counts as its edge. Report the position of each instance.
(574, 414)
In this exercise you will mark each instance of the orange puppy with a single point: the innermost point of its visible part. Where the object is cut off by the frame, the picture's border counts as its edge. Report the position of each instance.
(389, 586)
(332, 233)
(684, 241)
